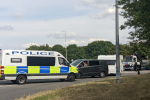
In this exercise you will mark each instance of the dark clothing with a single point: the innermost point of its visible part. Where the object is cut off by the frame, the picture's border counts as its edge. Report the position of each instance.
(138, 70)
(137, 67)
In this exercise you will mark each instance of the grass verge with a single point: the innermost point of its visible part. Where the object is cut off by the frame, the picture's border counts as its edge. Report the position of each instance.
(130, 88)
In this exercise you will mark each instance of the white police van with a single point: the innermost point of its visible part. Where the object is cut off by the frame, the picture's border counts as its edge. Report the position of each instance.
(20, 65)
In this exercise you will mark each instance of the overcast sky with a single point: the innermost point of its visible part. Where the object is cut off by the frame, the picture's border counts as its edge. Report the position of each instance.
(26, 22)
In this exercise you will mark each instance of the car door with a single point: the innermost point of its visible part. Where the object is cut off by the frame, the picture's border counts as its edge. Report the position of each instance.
(83, 69)
(94, 67)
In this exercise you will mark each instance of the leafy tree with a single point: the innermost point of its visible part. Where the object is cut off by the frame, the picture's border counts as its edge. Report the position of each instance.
(112, 50)
(126, 50)
(142, 50)
(72, 51)
(45, 47)
(81, 53)
(60, 49)
(33, 47)
(98, 48)
(42, 47)
(137, 13)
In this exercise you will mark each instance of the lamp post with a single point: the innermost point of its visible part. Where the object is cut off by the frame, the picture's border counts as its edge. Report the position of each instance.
(117, 46)
(65, 43)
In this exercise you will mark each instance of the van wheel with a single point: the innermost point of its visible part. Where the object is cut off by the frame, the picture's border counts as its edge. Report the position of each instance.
(21, 79)
(80, 75)
(13, 81)
(71, 77)
(102, 75)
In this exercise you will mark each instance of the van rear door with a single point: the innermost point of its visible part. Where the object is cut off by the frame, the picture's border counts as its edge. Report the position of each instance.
(112, 66)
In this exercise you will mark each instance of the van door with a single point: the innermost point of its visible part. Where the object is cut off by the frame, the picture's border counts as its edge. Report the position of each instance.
(112, 66)
(104, 66)
(83, 69)
(63, 68)
(94, 67)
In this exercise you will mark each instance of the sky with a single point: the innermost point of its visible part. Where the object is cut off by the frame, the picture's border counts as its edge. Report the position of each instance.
(39, 22)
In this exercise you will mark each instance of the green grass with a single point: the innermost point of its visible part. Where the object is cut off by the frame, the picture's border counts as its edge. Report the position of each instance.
(130, 88)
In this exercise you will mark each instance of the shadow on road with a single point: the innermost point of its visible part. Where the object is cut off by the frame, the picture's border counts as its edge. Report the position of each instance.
(2, 83)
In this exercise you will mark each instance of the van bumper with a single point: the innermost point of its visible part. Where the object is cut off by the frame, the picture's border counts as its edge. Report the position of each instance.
(2, 77)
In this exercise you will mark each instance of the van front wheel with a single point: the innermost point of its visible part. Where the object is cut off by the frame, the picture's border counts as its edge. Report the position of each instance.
(102, 75)
(71, 77)
(21, 79)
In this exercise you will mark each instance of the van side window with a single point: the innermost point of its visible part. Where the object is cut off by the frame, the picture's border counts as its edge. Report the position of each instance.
(40, 61)
(16, 60)
(111, 62)
(91, 63)
(103, 62)
(62, 61)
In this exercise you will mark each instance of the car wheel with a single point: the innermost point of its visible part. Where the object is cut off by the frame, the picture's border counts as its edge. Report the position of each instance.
(13, 81)
(102, 75)
(71, 77)
(21, 79)
(92, 76)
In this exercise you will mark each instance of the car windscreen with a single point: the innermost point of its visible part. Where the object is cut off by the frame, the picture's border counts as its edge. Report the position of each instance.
(128, 59)
(76, 62)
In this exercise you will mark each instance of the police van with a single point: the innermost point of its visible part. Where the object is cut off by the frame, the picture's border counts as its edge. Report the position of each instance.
(21, 65)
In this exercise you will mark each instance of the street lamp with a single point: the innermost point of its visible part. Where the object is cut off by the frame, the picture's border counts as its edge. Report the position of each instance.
(65, 43)
(117, 46)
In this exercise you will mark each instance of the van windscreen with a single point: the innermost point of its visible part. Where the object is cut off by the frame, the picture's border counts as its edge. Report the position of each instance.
(76, 62)
(40, 61)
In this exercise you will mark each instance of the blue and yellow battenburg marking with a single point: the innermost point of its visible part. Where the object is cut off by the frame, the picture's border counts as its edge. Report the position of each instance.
(35, 69)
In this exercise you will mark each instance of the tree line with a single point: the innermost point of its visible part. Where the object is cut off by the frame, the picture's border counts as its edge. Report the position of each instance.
(91, 51)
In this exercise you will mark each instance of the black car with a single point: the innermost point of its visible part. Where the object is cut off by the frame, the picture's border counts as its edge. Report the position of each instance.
(91, 67)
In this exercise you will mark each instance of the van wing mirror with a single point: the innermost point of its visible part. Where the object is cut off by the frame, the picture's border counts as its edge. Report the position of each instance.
(69, 65)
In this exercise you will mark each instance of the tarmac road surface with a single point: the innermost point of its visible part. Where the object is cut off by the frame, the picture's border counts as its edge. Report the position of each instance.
(10, 91)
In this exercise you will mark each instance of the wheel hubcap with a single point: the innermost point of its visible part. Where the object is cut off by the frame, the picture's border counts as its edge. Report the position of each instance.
(21, 80)
(102, 74)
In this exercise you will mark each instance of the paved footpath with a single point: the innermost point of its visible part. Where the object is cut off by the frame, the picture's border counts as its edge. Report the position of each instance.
(10, 91)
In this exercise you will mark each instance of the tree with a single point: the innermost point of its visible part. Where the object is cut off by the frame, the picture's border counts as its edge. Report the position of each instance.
(59, 48)
(126, 50)
(72, 51)
(98, 48)
(81, 53)
(33, 47)
(137, 13)
(45, 47)
(42, 47)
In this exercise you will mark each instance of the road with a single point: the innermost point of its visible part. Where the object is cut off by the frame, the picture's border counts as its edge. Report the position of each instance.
(10, 91)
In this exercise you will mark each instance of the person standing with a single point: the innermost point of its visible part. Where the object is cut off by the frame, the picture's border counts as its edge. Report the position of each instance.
(135, 66)
(138, 66)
